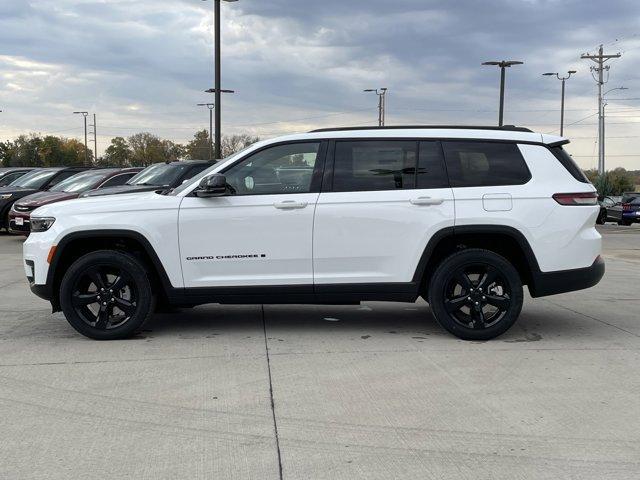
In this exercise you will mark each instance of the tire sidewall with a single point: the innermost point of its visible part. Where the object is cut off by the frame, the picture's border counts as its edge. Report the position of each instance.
(138, 273)
(475, 256)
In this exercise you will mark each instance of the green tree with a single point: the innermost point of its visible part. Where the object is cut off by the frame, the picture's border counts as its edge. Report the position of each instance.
(147, 148)
(613, 182)
(117, 154)
(198, 148)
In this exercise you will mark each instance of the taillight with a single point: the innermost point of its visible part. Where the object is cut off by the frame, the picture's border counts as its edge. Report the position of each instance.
(590, 198)
(626, 207)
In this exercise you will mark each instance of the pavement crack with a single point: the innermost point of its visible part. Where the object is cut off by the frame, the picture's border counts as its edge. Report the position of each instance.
(273, 407)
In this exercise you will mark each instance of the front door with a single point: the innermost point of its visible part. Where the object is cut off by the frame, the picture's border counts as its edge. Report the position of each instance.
(386, 200)
(260, 233)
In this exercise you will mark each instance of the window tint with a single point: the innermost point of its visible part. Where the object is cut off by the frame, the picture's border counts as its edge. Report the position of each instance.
(481, 164)
(10, 177)
(567, 162)
(34, 179)
(117, 180)
(195, 171)
(62, 176)
(374, 165)
(431, 171)
(279, 169)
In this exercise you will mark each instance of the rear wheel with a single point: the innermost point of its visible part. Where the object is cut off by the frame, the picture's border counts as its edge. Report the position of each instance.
(106, 295)
(624, 223)
(476, 294)
(602, 217)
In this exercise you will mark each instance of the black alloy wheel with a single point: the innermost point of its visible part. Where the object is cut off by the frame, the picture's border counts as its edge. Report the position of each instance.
(107, 295)
(476, 294)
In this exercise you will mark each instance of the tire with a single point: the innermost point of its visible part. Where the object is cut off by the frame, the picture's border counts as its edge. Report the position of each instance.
(602, 217)
(476, 294)
(624, 223)
(107, 295)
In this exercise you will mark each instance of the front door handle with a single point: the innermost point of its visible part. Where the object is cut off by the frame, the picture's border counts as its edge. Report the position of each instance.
(290, 205)
(426, 201)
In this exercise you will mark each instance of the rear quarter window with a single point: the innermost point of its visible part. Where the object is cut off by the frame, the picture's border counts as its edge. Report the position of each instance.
(567, 162)
(484, 164)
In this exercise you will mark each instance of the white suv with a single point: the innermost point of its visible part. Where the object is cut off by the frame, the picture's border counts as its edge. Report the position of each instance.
(461, 216)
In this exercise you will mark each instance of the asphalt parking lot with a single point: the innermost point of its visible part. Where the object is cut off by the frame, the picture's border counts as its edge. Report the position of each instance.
(318, 392)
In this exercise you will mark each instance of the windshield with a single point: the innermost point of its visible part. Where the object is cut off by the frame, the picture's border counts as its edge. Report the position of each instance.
(35, 179)
(206, 172)
(159, 174)
(80, 182)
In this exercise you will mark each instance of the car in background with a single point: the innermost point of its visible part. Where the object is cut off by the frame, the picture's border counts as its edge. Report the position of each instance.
(159, 176)
(625, 211)
(37, 180)
(72, 187)
(606, 203)
(9, 175)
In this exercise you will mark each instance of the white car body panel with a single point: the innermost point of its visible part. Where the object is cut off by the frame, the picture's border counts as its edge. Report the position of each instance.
(338, 237)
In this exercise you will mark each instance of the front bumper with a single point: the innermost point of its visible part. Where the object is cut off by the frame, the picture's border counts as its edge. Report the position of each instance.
(552, 283)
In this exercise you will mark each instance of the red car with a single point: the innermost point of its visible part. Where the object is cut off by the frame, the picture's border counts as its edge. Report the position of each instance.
(68, 189)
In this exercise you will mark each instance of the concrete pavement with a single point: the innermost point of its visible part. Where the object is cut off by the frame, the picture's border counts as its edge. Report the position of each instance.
(371, 391)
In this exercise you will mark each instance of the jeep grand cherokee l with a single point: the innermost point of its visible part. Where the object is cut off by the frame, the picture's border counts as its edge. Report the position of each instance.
(463, 217)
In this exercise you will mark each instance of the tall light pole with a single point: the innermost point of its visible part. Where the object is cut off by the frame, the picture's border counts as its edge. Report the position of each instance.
(503, 64)
(382, 100)
(218, 131)
(210, 106)
(218, 88)
(563, 79)
(86, 149)
(602, 142)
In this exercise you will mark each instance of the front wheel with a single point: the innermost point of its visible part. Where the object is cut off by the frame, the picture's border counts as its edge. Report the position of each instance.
(476, 294)
(106, 295)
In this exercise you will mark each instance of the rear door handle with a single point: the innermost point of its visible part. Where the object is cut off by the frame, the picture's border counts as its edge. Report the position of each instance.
(289, 205)
(426, 201)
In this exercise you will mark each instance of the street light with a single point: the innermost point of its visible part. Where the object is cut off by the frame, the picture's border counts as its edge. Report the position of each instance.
(210, 106)
(503, 64)
(217, 90)
(382, 100)
(86, 151)
(604, 104)
(563, 79)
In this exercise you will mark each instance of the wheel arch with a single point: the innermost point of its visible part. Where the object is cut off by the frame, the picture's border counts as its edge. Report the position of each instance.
(502, 239)
(76, 244)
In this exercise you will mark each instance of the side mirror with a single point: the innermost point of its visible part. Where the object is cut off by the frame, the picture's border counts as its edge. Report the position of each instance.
(212, 186)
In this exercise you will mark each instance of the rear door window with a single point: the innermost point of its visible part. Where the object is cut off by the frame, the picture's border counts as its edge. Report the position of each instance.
(484, 164)
(431, 171)
(374, 165)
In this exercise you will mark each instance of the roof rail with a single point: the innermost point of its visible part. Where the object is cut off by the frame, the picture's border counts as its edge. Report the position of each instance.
(509, 128)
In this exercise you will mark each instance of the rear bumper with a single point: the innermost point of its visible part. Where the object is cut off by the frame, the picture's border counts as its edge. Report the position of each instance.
(552, 283)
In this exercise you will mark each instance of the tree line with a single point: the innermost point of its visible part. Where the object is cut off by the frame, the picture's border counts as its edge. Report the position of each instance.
(614, 182)
(139, 150)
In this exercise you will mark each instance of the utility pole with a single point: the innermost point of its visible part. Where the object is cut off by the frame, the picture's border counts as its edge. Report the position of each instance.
(600, 59)
(503, 64)
(210, 106)
(563, 79)
(95, 138)
(382, 103)
(86, 149)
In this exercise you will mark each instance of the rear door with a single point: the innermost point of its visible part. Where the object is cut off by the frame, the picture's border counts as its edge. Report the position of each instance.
(381, 203)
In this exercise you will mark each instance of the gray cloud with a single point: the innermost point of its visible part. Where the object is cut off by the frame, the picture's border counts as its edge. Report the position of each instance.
(300, 64)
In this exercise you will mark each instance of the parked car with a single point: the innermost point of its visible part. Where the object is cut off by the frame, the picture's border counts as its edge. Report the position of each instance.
(463, 217)
(159, 176)
(606, 203)
(37, 180)
(11, 174)
(626, 210)
(68, 189)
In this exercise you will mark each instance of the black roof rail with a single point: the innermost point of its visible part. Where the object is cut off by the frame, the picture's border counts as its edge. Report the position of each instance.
(507, 128)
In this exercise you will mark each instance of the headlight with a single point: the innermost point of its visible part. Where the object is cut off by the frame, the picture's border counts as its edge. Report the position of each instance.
(5, 196)
(41, 224)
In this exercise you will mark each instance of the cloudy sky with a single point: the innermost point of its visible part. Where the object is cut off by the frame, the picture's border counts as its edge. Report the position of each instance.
(142, 65)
